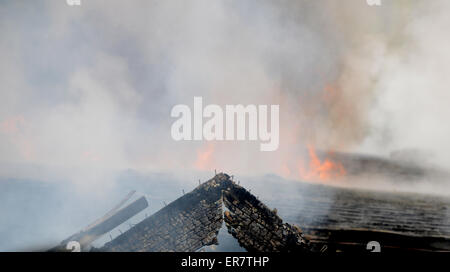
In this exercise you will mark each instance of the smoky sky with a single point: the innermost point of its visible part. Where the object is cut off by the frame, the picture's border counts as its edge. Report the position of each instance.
(87, 90)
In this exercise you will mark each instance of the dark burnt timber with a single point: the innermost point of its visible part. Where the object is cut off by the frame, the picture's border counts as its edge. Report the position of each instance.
(193, 221)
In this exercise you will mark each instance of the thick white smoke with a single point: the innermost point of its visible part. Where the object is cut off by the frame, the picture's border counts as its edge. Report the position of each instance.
(88, 90)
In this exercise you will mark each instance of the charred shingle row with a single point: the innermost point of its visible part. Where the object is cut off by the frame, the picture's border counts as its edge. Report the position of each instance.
(256, 227)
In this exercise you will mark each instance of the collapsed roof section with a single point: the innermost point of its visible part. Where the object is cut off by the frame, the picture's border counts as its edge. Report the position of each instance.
(193, 221)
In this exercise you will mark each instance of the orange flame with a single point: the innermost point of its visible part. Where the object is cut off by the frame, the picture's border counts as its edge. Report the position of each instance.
(204, 157)
(12, 125)
(322, 171)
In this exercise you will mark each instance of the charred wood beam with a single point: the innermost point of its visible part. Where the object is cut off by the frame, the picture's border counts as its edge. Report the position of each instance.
(90, 234)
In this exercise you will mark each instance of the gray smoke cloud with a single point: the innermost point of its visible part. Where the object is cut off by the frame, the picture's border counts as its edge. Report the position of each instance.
(87, 91)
